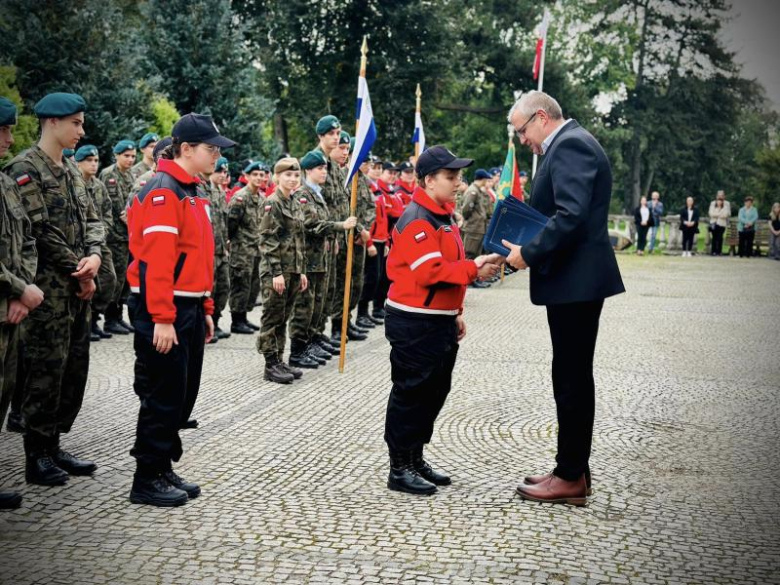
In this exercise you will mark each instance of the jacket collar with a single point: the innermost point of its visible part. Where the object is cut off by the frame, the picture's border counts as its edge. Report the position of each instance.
(170, 167)
(568, 125)
(422, 198)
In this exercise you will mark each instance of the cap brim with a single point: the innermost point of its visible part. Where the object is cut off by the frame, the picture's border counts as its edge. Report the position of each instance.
(220, 141)
(459, 163)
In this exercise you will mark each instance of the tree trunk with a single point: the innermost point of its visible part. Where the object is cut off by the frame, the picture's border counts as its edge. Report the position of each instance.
(280, 131)
(649, 181)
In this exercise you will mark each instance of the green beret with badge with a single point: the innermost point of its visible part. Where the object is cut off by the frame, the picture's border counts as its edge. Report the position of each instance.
(326, 124)
(344, 137)
(147, 139)
(86, 151)
(221, 165)
(7, 112)
(312, 160)
(124, 146)
(256, 165)
(59, 105)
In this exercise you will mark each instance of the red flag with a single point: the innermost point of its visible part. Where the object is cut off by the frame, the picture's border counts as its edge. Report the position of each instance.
(538, 58)
(541, 39)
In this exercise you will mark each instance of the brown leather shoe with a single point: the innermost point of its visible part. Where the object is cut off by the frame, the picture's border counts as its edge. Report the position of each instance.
(555, 490)
(536, 479)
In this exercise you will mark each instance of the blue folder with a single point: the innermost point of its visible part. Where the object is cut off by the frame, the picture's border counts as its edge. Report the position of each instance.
(515, 222)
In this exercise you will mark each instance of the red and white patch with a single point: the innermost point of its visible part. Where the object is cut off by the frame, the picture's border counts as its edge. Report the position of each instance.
(268, 208)
(143, 183)
(239, 198)
(158, 200)
(112, 181)
(22, 180)
(421, 237)
(304, 200)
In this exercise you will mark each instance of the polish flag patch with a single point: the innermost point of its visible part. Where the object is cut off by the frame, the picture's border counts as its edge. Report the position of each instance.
(268, 208)
(421, 237)
(112, 181)
(143, 183)
(22, 180)
(158, 200)
(304, 200)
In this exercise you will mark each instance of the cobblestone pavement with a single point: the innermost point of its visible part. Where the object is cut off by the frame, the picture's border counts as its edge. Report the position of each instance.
(293, 477)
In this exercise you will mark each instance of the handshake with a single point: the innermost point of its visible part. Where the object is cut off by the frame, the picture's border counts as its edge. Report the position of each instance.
(488, 265)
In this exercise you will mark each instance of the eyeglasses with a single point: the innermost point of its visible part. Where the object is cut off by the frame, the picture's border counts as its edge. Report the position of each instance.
(213, 149)
(521, 131)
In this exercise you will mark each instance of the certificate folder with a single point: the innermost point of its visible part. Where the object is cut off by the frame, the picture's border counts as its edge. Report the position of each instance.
(515, 222)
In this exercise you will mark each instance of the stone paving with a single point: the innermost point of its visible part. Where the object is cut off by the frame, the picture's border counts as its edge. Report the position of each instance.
(293, 477)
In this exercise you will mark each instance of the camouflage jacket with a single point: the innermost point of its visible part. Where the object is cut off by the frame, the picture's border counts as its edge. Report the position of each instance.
(243, 224)
(65, 224)
(99, 194)
(474, 210)
(282, 239)
(18, 256)
(218, 214)
(138, 184)
(366, 206)
(139, 169)
(119, 186)
(320, 231)
(335, 194)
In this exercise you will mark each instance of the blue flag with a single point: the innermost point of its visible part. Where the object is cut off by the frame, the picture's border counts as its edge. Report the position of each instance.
(366, 133)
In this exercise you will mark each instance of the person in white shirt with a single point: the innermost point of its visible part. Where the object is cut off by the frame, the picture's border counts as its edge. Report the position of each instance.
(643, 219)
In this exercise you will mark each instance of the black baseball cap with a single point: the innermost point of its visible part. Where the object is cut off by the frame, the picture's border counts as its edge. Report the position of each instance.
(198, 128)
(405, 166)
(388, 166)
(439, 157)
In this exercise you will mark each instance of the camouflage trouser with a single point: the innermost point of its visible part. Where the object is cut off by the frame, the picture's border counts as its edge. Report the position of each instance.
(330, 292)
(309, 306)
(221, 289)
(9, 351)
(340, 276)
(277, 310)
(56, 354)
(106, 283)
(244, 281)
(472, 244)
(358, 276)
(120, 255)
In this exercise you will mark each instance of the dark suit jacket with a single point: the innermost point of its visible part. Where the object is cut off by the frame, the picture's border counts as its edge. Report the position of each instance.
(572, 259)
(638, 217)
(684, 218)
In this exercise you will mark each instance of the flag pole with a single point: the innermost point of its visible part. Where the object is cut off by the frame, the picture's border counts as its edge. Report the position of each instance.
(350, 233)
(418, 110)
(541, 85)
(510, 132)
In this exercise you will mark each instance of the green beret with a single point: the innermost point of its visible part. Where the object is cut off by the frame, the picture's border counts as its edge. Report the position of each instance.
(312, 160)
(7, 112)
(59, 105)
(124, 146)
(257, 165)
(351, 145)
(147, 139)
(86, 151)
(344, 137)
(68, 152)
(221, 165)
(326, 124)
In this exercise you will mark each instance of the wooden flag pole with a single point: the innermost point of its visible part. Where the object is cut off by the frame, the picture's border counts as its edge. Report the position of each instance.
(418, 109)
(350, 233)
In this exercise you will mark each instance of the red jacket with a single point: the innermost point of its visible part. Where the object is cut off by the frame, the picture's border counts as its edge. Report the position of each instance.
(427, 264)
(171, 243)
(404, 191)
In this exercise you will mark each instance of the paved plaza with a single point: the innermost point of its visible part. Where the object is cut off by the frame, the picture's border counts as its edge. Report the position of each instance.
(293, 477)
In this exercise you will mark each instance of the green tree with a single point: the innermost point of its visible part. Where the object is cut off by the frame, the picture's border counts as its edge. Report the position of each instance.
(26, 130)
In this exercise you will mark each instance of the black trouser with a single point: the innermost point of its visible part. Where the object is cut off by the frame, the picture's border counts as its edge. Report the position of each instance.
(166, 384)
(422, 356)
(746, 239)
(687, 238)
(573, 330)
(641, 233)
(383, 283)
(374, 266)
(717, 239)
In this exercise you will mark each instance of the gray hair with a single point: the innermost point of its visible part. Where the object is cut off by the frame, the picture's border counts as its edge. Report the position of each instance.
(533, 101)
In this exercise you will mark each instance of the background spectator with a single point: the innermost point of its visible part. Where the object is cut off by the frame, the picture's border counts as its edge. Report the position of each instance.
(689, 225)
(720, 212)
(643, 219)
(774, 231)
(748, 215)
(657, 209)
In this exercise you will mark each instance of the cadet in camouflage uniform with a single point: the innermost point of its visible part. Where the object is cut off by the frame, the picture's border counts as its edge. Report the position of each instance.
(18, 294)
(282, 269)
(146, 146)
(218, 214)
(87, 160)
(320, 240)
(474, 210)
(243, 222)
(118, 179)
(68, 234)
(141, 181)
(366, 214)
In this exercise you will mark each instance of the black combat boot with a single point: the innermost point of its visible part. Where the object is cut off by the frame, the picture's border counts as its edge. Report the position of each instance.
(15, 422)
(10, 500)
(96, 326)
(297, 374)
(40, 468)
(156, 490)
(365, 322)
(357, 328)
(275, 371)
(426, 471)
(218, 333)
(310, 351)
(93, 334)
(404, 477)
(355, 334)
(335, 333)
(379, 314)
(298, 356)
(72, 464)
(318, 352)
(239, 325)
(113, 326)
(324, 342)
(191, 489)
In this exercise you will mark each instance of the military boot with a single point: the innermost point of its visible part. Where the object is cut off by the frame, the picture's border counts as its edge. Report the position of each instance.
(156, 490)
(404, 477)
(15, 422)
(426, 471)
(297, 374)
(219, 333)
(275, 372)
(318, 351)
(299, 357)
(379, 314)
(239, 324)
(365, 322)
(324, 342)
(10, 500)
(72, 464)
(355, 334)
(39, 467)
(335, 333)
(192, 489)
(113, 326)
(93, 334)
(359, 329)
(310, 351)
(96, 327)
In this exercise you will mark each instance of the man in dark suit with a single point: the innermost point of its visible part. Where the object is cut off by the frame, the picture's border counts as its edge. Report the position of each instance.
(573, 269)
